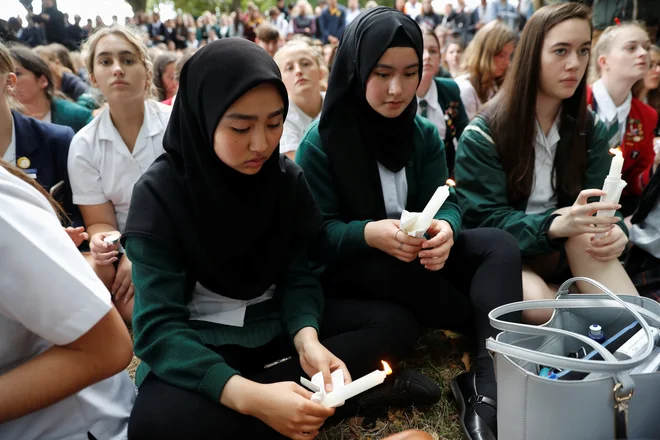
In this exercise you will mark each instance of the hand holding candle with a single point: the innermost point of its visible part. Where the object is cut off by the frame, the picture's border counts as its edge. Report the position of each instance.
(613, 185)
(435, 251)
(416, 223)
(340, 394)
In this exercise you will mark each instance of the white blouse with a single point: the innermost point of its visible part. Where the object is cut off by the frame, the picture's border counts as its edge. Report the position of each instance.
(101, 167)
(470, 97)
(543, 196)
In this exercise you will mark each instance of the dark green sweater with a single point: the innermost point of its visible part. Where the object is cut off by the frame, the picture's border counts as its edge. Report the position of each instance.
(70, 114)
(174, 347)
(425, 172)
(481, 185)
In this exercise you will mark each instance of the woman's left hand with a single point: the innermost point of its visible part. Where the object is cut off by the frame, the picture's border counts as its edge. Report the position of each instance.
(610, 246)
(435, 251)
(314, 357)
(77, 235)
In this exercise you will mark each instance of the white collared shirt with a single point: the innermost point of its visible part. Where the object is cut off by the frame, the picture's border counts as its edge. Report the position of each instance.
(434, 111)
(102, 169)
(206, 305)
(607, 111)
(10, 154)
(543, 196)
(295, 126)
(395, 190)
(48, 117)
(470, 97)
(413, 10)
(351, 15)
(49, 296)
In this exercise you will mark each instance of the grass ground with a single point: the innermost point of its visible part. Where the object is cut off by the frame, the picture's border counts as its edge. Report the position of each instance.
(439, 355)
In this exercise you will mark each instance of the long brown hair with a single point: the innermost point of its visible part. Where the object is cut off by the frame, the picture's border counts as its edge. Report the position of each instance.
(514, 136)
(479, 57)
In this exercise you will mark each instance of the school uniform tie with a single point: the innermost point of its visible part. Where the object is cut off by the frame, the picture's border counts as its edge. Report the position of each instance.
(614, 134)
(423, 105)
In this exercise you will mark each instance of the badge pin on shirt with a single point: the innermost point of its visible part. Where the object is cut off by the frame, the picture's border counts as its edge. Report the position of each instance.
(23, 162)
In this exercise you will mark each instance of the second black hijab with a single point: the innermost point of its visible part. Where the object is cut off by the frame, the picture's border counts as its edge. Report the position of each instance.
(233, 232)
(354, 135)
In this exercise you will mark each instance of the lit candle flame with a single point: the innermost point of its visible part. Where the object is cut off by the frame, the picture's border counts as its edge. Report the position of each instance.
(386, 368)
(450, 182)
(615, 151)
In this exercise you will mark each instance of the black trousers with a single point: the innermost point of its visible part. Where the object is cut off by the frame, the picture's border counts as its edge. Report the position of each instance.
(483, 271)
(359, 332)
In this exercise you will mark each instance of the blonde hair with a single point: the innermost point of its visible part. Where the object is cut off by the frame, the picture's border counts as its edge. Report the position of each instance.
(7, 67)
(128, 35)
(604, 46)
(6, 61)
(478, 58)
(303, 43)
(46, 53)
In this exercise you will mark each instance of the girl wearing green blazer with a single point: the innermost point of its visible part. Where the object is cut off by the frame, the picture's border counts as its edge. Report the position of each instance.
(535, 160)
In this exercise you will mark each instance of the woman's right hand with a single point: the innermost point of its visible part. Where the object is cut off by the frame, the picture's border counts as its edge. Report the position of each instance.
(286, 407)
(579, 219)
(102, 252)
(387, 236)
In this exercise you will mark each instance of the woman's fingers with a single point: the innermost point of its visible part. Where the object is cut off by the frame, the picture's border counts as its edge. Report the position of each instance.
(609, 238)
(591, 208)
(105, 256)
(586, 194)
(410, 240)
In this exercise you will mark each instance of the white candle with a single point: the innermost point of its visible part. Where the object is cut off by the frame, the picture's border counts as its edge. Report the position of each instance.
(613, 186)
(112, 239)
(338, 396)
(617, 162)
(432, 207)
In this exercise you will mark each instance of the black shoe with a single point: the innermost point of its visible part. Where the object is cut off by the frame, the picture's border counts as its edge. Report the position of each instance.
(410, 388)
(474, 426)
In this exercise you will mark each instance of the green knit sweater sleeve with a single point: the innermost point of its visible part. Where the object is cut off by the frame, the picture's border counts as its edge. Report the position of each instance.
(433, 173)
(599, 160)
(301, 294)
(163, 339)
(481, 187)
(302, 297)
(342, 239)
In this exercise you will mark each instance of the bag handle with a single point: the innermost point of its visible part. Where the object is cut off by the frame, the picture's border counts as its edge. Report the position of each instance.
(609, 365)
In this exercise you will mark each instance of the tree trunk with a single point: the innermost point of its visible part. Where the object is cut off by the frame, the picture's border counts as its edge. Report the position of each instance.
(138, 5)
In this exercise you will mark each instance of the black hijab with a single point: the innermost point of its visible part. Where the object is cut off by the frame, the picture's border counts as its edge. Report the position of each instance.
(234, 231)
(354, 135)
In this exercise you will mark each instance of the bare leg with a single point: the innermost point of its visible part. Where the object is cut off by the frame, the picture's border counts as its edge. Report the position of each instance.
(125, 310)
(105, 273)
(610, 273)
(535, 287)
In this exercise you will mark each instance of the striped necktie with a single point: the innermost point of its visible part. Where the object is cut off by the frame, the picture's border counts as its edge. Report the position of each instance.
(423, 105)
(614, 134)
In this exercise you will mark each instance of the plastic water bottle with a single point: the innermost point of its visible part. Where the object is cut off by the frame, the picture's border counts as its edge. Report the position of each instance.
(596, 333)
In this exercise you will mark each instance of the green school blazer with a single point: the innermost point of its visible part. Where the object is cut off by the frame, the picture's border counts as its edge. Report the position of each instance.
(481, 188)
(70, 114)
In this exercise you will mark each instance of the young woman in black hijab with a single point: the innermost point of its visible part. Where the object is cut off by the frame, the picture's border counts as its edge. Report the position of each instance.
(227, 314)
(369, 158)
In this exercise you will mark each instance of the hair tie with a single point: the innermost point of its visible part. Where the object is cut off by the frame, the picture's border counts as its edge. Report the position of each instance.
(617, 21)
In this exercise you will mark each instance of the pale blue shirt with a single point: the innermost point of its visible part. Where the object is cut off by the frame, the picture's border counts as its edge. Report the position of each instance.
(395, 191)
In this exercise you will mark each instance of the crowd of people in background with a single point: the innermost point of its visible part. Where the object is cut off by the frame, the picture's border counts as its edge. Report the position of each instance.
(106, 126)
